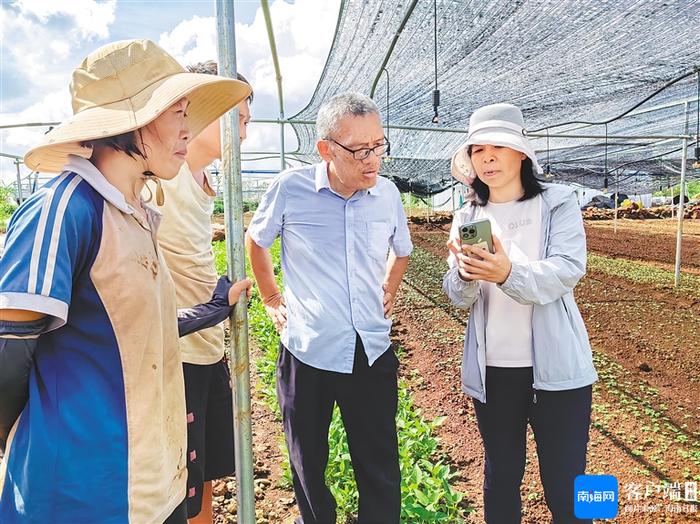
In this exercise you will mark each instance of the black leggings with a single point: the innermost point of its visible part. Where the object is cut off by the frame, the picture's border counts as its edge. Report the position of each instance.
(560, 422)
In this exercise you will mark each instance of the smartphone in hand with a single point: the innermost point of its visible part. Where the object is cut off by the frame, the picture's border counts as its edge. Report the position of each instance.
(477, 233)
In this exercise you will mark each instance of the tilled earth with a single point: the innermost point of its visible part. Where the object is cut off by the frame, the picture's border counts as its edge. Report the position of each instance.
(646, 416)
(647, 240)
(646, 405)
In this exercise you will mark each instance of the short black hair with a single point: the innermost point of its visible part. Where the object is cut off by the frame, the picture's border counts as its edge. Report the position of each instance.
(126, 143)
(210, 67)
(531, 184)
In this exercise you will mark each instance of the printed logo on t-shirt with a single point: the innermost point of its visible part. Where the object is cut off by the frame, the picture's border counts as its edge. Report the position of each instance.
(519, 223)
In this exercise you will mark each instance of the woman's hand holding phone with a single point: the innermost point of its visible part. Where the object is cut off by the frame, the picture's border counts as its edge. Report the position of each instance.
(476, 263)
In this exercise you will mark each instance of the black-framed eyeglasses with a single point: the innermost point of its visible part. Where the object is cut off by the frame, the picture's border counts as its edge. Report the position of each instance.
(364, 152)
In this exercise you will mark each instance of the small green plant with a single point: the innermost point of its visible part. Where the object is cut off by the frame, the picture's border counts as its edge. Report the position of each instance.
(412, 202)
(642, 273)
(248, 205)
(7, 205)
(692, 189)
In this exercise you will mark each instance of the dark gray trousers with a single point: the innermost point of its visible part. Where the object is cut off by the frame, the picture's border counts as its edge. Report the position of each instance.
(367, 399)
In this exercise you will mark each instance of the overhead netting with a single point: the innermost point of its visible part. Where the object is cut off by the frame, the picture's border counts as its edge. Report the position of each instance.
(560, 61)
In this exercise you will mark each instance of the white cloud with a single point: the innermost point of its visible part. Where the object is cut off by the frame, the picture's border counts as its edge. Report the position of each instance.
(40, 39)
(54, 107)
(91, 19)
(191, 41)
(40, 36)
(61, 48)
(40, 55)
(303, 33)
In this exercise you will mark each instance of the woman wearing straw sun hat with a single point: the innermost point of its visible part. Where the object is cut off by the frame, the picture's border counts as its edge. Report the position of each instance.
(83, 285)
(527, 358)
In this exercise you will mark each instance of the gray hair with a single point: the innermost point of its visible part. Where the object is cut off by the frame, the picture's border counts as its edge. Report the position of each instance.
(340, 106)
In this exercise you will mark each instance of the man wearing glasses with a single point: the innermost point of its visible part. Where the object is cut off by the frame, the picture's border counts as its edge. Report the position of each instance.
(345, 248)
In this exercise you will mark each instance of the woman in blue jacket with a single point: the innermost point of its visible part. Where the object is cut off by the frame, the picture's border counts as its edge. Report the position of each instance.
(525, 343)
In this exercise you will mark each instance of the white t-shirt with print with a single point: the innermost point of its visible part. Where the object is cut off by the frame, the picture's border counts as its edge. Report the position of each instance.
(509, 323)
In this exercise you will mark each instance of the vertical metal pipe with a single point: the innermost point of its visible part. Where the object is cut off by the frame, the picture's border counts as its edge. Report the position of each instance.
(671, 198)
(681, 201)
(19, 183)
(617, 197)
(233, 215)
(388, 115)
(283, 163)
(264, 4)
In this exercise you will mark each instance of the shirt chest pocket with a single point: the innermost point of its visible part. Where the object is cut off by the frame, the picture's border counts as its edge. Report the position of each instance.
(378, 233)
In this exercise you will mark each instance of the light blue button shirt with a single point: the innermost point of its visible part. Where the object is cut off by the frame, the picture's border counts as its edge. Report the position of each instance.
(334, 259)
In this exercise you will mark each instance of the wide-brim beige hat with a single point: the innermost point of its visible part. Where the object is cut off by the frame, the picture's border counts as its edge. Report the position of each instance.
(496, 125)
(124, 86)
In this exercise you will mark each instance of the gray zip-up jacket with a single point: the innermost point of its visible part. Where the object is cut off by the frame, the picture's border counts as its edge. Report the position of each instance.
(561, 356)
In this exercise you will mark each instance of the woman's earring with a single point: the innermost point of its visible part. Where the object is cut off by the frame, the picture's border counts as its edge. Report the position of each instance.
(160, 195)
(150, 193)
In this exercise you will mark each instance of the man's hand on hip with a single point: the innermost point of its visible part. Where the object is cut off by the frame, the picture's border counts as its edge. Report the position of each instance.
(277, 310)
(388, 301)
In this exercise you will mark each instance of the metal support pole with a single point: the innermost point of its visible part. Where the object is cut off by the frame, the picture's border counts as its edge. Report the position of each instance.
(681, 201)
(20, 197)
(283, 163)
(264, 4)
(617, 197)
(233, 216)
(671, 198)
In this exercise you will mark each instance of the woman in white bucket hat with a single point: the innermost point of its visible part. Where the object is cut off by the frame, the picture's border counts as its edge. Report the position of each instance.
(83, 286)
(525, 344)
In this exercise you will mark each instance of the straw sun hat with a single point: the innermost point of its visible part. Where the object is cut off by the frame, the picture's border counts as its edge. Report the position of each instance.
(497, 125)
(122, 87)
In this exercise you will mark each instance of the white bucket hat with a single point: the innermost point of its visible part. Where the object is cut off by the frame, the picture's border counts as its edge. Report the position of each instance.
(497, 125)
(124, 86)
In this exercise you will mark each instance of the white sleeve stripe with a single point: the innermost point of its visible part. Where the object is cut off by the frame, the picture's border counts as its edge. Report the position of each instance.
(56, 235)
(39, 236)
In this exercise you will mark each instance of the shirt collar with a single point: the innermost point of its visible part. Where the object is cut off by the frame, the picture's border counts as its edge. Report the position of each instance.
(91, 175)
(322, 176)
(88, 172)
(321, 179)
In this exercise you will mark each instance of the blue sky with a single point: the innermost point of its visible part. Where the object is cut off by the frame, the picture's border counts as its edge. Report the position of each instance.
(43, 41)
